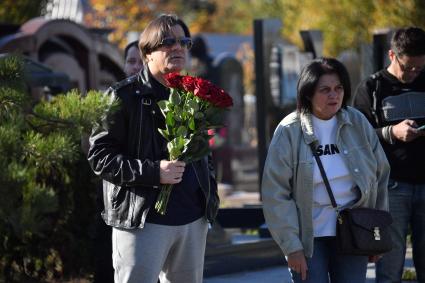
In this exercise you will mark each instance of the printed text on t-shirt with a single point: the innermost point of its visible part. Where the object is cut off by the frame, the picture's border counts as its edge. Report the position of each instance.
(327, 149)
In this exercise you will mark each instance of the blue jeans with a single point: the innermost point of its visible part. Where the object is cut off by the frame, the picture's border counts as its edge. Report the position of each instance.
(407, 207)
(327, 265)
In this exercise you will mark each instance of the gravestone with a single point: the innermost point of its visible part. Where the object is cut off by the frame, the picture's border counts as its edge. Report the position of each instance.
(229, 76)
(313, 42)
(266, 36)
(381, 45)
(374, 56)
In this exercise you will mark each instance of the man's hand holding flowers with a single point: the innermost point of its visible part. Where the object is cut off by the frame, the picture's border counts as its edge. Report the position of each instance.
(171, 172)
(195, 105)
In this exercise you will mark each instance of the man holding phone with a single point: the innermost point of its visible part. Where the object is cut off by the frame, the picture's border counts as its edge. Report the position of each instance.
(393, 100)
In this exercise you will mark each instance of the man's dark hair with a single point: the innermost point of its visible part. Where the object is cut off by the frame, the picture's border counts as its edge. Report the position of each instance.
(310, 76)
(157, 30)
(130, 45)
(408, 41)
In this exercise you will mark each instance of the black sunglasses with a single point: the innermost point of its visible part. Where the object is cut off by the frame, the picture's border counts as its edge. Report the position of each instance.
(405, 68)
(185, 42)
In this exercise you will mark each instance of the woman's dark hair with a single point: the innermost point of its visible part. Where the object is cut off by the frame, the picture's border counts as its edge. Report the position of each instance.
(157, 30)
(130, 45)
(310, 76)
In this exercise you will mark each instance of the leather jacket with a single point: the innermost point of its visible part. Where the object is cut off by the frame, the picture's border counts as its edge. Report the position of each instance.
(126, 151)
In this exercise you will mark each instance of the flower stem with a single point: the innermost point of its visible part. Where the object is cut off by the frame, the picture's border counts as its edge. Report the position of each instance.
(162, 201)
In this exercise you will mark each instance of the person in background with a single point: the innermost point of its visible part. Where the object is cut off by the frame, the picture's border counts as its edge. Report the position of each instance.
(133, 62)
(296, 205)
(393, 100)
(201, 63)
(131, 156)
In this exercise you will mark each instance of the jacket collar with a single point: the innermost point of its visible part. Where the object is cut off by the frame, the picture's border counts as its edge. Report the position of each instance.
(147, 85)
(307, 124)
(144, 79)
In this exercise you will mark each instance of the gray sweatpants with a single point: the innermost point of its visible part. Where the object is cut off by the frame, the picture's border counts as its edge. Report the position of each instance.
(170, 253)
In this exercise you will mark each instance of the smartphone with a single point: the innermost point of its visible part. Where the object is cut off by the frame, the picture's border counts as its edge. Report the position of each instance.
(421, 128)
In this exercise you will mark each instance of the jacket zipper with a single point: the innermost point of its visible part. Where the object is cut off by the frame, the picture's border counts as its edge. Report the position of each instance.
(140, 130)
(132, 196)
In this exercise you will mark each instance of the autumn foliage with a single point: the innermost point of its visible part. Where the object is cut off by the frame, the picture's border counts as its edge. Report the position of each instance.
(345, 24)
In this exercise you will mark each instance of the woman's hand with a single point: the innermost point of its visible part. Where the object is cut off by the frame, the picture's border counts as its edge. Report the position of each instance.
(298, 263)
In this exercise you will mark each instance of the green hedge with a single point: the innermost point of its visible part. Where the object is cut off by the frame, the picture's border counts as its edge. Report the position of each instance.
(47, 208)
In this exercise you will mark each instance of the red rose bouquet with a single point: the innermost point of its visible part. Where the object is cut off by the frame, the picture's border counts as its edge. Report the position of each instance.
(195, 105)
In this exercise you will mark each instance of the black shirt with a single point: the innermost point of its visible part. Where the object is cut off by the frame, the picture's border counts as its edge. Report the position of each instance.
(187, 202)
(407, 159)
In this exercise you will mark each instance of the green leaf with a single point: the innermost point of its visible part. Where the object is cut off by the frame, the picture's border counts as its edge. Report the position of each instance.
(186, 142)
(199, 115)
(178, 113)
(163, 105)
(181, 143)
(198, 148)
(169, 119)
(192, 123)
(174, 153)
(182, 131)
(164, 133)
(174, 97)
(192, 104)
(173, 149)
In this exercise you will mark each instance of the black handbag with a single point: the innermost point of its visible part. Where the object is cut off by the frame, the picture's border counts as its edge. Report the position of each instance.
(359, 231)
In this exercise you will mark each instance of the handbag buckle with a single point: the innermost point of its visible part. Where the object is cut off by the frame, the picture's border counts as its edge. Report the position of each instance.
(376, 234)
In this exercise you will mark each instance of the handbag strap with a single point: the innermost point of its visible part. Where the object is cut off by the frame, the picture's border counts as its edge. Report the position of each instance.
(324, 177)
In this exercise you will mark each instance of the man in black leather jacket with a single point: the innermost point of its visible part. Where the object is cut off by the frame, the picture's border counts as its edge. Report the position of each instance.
(130, 155)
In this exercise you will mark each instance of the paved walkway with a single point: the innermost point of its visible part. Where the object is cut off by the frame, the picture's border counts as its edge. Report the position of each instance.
(281, 275)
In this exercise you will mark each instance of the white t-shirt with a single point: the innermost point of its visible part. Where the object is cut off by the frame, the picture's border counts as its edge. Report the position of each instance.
(340, 180)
